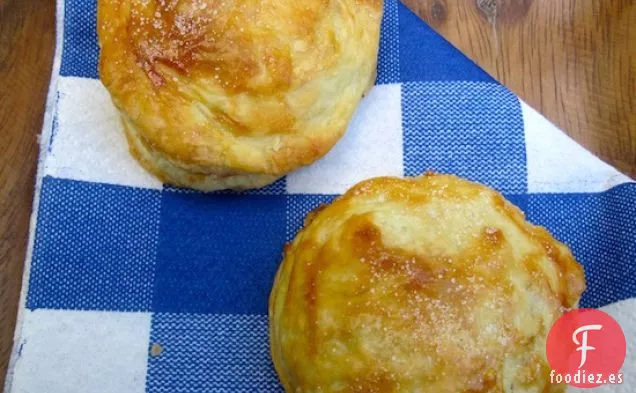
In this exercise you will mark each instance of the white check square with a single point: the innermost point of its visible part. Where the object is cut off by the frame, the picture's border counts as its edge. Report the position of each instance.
(556, 163)
(88, 140)
(372, 146)
(64, 351)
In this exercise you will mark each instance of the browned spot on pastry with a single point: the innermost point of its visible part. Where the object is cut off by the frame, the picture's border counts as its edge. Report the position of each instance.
(203, 38)
(493, 236)
(368, 246)
(365, 237)
(313, 272)
(485, 381)
(412, 270)
(420, 277)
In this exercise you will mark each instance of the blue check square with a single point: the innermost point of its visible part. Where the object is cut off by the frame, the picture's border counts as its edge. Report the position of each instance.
(427, 56)
(389, 51)
(95, 247)
(210, 353)
(218, 253)
(470, 129)
(81, 51)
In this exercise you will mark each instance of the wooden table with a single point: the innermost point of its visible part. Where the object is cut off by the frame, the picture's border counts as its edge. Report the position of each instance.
(574, 60)
(27, 30)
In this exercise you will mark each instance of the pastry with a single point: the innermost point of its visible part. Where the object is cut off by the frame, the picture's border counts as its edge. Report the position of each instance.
(430, 284)
(235, 93)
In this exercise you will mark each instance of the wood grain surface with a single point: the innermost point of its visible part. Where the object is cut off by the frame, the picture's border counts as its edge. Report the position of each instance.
(571, 59)
(27, 36)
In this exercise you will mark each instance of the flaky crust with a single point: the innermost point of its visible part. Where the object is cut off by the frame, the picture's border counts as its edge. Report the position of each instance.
(429, 284)
(235, 93)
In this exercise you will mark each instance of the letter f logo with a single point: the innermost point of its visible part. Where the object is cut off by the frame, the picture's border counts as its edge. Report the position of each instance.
(583, 344)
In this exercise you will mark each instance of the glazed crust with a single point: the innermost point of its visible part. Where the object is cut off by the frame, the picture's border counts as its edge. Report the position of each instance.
(235, 93)
(428, 284)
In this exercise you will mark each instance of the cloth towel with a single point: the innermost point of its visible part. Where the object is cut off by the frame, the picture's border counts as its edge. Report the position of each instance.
(133, 286)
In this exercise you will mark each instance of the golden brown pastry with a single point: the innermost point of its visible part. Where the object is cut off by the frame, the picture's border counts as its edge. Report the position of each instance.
(429, 284)
(235, 93)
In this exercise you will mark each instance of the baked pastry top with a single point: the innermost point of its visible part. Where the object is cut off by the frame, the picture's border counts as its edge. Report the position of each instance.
(235, 93)
(428, 284)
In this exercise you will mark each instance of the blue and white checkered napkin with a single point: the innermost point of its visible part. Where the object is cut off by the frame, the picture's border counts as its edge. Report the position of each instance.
(131, 286)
